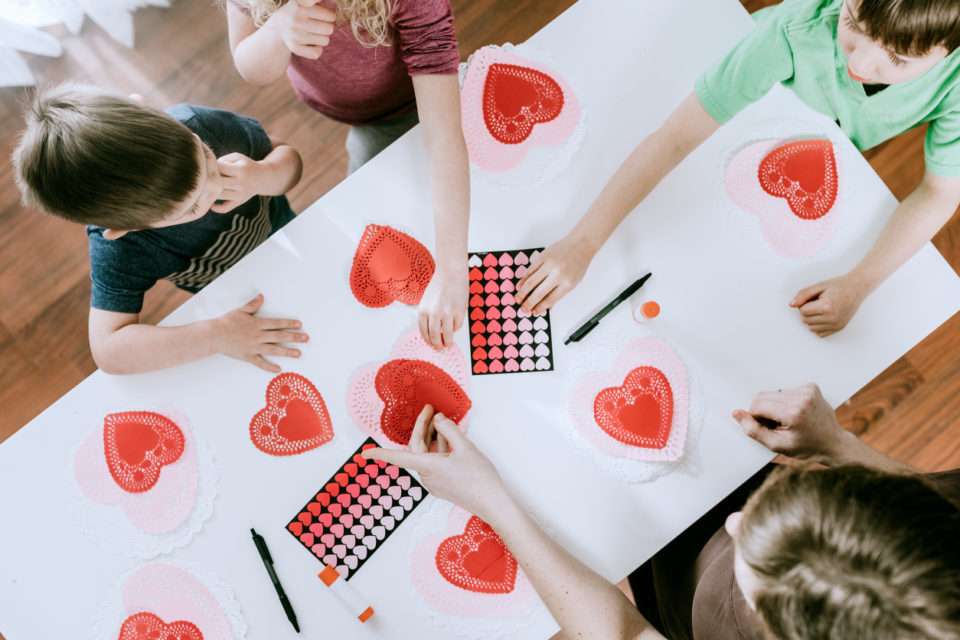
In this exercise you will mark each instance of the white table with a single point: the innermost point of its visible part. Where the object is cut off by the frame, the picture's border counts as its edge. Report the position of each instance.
(630, 62)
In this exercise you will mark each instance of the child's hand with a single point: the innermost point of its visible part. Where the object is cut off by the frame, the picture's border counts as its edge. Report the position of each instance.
(827, 306)
(553, 274)
(241, 335)
(443, 308)
(240, 177)
(305, 27)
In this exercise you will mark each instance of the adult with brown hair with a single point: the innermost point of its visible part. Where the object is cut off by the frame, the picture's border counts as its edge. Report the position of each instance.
(866, 548)
(380, 66)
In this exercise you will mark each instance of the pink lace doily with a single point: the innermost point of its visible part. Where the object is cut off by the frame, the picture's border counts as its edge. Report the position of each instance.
(365, 405)
(172, 592)
(144, 523)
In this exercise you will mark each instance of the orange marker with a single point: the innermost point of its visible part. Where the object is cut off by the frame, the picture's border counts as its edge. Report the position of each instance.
(646, 311)
(345, 594)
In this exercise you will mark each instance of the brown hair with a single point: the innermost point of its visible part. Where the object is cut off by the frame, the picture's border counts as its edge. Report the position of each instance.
(852, 552)
(911, 27)
(369, 19)
(100, 158)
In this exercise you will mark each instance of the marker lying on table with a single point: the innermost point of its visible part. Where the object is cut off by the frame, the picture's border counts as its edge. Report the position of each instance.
(268, 563)
(588, 326)
(345, 594)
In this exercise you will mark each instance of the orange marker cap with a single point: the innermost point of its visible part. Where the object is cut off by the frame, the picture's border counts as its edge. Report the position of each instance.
(366, 615)
(650, 309)
(329, 575)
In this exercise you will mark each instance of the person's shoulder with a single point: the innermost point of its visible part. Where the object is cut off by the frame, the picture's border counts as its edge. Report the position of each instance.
(224, 131)
(209, 117)
(801, 14)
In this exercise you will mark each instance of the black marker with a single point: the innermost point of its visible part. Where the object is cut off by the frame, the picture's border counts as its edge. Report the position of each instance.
(588, 326)
(268, 563)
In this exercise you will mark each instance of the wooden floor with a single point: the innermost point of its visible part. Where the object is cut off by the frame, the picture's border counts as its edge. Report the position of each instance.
(181, 55)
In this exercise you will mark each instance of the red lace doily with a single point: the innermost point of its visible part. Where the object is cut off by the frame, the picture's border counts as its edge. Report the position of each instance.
(295, 418)
(405, 386)
(515, 98)
(477, 560)
(805, 174)
(389, 265)
(640, 411)
(137, 444)
(146, 626)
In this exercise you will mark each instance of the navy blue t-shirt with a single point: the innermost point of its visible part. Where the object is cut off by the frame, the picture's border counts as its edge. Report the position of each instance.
(191, 254)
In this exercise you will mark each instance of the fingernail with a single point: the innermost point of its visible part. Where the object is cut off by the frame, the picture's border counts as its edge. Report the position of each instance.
(297, 325)
(296, 354)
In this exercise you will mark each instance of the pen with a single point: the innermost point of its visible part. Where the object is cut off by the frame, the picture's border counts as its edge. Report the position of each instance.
(268, 563)
(588, 326)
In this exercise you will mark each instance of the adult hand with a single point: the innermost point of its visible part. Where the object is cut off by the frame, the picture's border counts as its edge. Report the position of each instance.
(443, 308)
(827, 306)
(241, 335)
(457, 472)
(555, 272)
(240, 181)
(305, 26)
(795, 422)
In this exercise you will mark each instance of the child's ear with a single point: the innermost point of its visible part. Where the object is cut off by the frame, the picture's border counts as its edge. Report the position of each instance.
(112, 234)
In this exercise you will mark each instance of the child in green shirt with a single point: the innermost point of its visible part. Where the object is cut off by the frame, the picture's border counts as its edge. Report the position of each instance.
(878, 67)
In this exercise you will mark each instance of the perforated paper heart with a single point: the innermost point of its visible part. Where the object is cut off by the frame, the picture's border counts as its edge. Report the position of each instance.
(406, 386)
(295, 418)
(805, 174)
(137, 445)
(640, 411)
(515, 98)
(477, 560)
(146, 626)
(389, 265)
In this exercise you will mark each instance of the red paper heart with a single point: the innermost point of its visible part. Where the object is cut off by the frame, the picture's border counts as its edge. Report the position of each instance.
(295, 418)
(516, 98)
(805, 174)
(389, 265)
(146, 626)
(477, 560)
(137, 444)
(405, 386)
(639, 412)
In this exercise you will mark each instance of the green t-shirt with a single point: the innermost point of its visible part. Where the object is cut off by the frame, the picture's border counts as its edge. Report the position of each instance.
(795, 43)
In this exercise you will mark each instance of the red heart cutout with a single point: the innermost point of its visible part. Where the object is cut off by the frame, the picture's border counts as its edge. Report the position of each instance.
(805, 174)
(389, 265)
(137, 444)
(477, 560)
(405, 386)
(146, 626)
(296, 528)
(639, 412)
(295, 418)
(515, 98)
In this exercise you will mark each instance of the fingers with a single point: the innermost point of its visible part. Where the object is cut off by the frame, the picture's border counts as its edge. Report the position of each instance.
(264, 364)
(449, 430)
(405, 459)
(446, 333)
(269, 349)
(272, 324)
(818, 307)
(423, 322)
(752, 428)
(442, 445)
(806, 295)
(422, 431)
(254, 305)
(434, 329)
(529, 284)
(552, 298)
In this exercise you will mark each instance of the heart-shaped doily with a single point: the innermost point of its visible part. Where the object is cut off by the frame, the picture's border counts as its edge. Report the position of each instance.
(137, 444)
(477, 560)
(389, 265)
(640, 411)
(515, 98)
(804, 173)
(294, 420)
(146, 626)
(406, 386)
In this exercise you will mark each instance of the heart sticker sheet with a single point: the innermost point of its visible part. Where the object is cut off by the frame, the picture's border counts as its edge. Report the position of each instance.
(389, 265)
(522, 121)
(467, 580)
(164, 601)
(385, 398)
(503, 338)
(294, 418)
(140, 483)
(791, 187)
(635, 417)
(355, 511)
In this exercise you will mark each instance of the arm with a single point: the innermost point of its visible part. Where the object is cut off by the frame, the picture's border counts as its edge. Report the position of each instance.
(801, 424)
(444, 303)
(261, 55)
(582, 602)
(243, 178)
(827, 307)
(562, 265)
(121, 344)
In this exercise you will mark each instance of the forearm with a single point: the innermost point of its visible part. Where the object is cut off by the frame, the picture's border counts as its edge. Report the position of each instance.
(280, 171)
(851, 450)
(138, 348)
(259, 54)
(450, 193)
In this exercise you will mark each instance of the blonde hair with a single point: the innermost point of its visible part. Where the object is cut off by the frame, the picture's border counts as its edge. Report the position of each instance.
(852, 552)
(369, 19)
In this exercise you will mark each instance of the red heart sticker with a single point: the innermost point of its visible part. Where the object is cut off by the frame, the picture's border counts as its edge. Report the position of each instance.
(639, 412)
(477, 560)
(515, 98)
(389, 265)
(405, 386)
(295, 418)
(146, 626)
(137, 444)
(805, 174)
